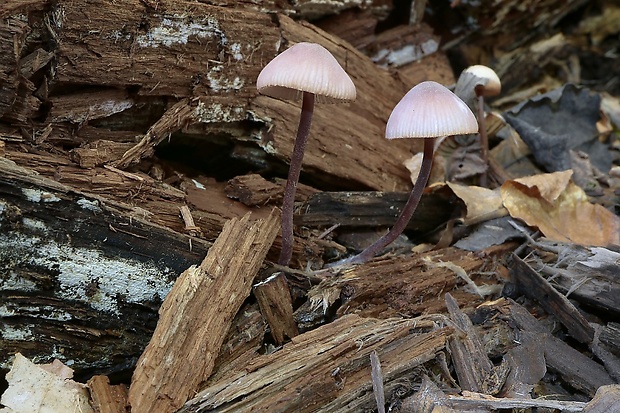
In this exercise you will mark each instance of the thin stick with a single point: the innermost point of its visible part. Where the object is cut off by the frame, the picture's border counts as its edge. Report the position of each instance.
(288, 202)
(377, 381)
(484, 141)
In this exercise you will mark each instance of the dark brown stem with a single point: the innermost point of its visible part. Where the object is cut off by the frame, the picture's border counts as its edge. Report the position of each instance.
(484, 141)
(406, 213)
(288, 202)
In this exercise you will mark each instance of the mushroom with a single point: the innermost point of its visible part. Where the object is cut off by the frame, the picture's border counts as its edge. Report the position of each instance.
(304, 70)
(429, 110)
(483, 82)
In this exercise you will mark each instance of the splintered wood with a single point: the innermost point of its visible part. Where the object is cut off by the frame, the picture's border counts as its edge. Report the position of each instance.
(327, 369)
(196, 315)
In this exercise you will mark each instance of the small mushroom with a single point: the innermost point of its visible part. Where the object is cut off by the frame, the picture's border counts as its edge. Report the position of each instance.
(304, 70)
(483, 82)
(428, 111)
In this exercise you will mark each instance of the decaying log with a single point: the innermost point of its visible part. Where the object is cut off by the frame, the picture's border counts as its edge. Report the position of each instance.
(327, 369)
(534, 286)
(373, 209)
(210, 65)
(159, 201)
(81, 272)
(196, 315)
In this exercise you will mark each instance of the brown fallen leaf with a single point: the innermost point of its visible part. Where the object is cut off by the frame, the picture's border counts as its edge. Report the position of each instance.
(560, 209)
(482, 203)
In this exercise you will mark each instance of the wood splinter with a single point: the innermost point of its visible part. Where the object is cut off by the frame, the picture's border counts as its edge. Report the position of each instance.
(274, 299)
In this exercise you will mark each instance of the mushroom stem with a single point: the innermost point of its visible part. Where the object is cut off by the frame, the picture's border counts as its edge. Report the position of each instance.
(288, 202)
(484, 141)
(406, 213)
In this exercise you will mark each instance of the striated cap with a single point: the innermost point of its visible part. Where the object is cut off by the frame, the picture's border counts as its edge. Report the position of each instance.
(306, 67)
(490, 84)
(430, 110)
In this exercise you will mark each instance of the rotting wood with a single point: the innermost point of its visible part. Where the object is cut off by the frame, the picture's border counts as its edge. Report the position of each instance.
(409, 285)
(610, 335)
(158, 201)
(526, 363)
(86, 271)
(274, 299)
(354, 26)
(471, 401)
(606, 400)
(471, 363)
(588, 275)
(327, 369)
(253, 189)
(218, 78)
(428, 399)
(575, 368)
(534, 286)
(107, 398)
(403, 44)
(196, 315)
(373, 209)
(242, 344)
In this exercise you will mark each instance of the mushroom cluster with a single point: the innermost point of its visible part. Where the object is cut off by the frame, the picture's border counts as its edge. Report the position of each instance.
(427, 111)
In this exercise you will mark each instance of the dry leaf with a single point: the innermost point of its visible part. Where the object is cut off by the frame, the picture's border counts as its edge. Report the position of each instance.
(560, 209)
(547, 186)
(414, 163)
(482, 203)
(33, 389)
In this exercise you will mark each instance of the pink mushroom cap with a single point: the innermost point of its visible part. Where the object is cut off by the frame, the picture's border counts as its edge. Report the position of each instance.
(306, 67)
(430, 110)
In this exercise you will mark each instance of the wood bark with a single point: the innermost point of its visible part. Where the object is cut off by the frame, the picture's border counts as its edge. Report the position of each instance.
(81, 272)
(391, 286)
(196, 315)
(202, 71)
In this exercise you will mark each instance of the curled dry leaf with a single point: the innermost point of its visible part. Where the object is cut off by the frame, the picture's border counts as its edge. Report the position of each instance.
(560, 209)
(482, 203)
(547, 186)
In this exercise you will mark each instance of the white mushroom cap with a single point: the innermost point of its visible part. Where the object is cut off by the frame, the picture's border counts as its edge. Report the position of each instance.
(490, 84)
(430, 110)
(306, 67)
